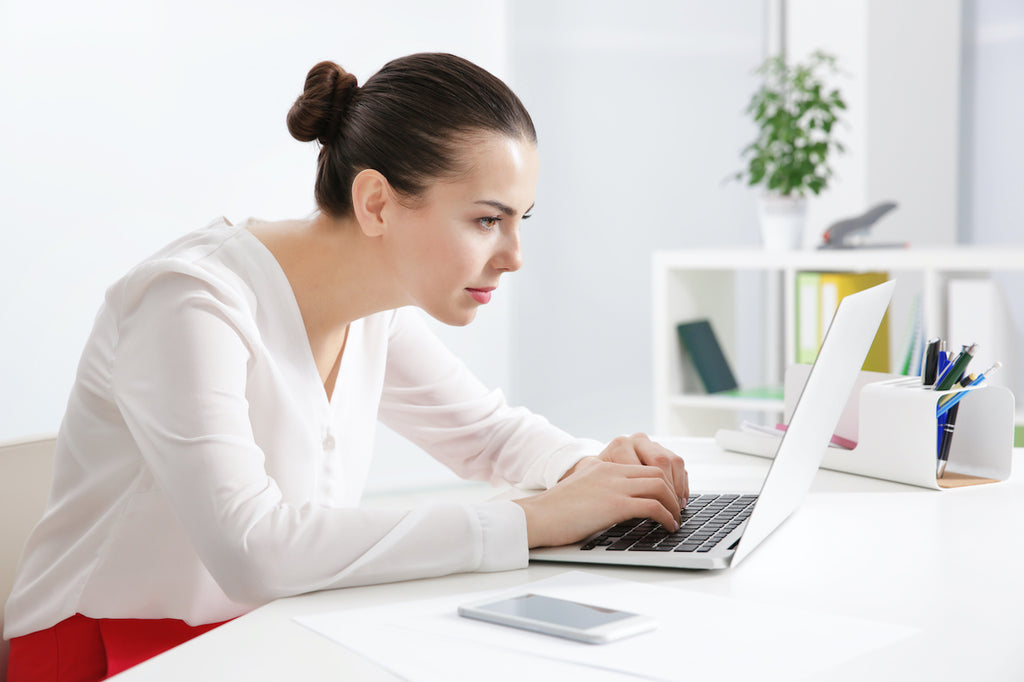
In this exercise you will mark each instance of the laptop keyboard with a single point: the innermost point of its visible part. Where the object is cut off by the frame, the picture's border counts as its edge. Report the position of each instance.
(707, 519)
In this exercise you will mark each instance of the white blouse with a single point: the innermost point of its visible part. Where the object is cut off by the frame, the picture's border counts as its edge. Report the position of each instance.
(201, 470)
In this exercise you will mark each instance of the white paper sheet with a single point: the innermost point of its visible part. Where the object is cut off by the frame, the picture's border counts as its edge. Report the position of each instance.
(698, 635)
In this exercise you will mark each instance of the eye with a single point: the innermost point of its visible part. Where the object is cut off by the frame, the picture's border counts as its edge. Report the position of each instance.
(490, 222)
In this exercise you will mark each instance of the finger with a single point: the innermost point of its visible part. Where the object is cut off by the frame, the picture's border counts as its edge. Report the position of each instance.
(684, 476)
(651, 482)
(652, 472)
(656, 489)
(637, 471)
(646, 508)
(654, 454)
(652, 509)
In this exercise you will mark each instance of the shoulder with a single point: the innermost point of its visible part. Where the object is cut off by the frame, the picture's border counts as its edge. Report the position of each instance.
(207, 262)
(207, 274)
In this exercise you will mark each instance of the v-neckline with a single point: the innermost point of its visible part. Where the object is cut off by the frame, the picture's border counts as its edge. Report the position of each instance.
(335, 372)
(295, 327)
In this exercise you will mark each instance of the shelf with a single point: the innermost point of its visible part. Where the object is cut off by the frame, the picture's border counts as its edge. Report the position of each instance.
(959, 259)
(748, 296)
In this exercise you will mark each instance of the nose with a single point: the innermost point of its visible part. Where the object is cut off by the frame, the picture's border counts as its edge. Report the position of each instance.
(509, 257)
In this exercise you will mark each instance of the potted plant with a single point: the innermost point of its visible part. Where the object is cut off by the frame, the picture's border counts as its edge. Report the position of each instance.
(796, 115)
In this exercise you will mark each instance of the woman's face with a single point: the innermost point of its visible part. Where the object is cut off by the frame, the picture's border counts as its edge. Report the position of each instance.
(450, 248)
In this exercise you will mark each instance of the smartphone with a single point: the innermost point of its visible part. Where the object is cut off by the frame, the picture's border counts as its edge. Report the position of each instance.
(559, 617)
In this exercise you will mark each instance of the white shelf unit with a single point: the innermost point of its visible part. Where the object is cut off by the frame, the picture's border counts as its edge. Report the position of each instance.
(689, 285)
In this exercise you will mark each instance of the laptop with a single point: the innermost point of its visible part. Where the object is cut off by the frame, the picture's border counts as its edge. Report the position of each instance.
(719, 530)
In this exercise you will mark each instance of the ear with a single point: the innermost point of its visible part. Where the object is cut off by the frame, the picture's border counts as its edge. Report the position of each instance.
(370, 195)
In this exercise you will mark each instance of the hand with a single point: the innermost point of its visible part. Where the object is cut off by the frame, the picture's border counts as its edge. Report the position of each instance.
(639, 449)
(627, 480)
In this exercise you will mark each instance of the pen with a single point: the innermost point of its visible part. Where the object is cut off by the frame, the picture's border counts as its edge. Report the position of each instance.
(947, 422)
(948, 402)
(952, 373)
(947, 440)
(943, 361)
(940, 366)
(931, 362)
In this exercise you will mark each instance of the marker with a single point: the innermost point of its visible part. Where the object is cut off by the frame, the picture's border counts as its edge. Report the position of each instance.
(931, 362)
(955, 369)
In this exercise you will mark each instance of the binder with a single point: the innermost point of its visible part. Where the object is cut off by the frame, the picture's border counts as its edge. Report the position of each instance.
(808, 317)
(834, 287)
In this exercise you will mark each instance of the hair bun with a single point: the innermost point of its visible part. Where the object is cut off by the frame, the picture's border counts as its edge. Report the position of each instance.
(320, 108)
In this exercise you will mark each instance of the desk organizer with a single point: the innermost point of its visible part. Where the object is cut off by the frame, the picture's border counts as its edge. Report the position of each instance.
(892, 419)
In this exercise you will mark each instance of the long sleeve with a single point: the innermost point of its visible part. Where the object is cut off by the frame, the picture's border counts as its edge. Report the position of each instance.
(431, 398)
(184, 355)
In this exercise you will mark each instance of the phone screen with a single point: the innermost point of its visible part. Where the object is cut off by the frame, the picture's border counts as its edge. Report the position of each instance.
(568, 613)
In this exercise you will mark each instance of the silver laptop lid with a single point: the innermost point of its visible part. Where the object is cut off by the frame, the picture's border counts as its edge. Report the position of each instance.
(816, 413)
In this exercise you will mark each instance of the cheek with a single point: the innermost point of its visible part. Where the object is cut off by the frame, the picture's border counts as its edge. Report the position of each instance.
(440, 250)
(451, 253)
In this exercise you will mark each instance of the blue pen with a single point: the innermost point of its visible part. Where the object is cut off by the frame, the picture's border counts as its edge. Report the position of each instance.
(943, 407)
(942, 363)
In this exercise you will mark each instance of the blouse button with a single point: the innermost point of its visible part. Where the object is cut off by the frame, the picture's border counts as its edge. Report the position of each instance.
(328, 442)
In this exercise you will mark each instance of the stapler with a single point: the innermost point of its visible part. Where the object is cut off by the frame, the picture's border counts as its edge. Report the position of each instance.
(849, 233)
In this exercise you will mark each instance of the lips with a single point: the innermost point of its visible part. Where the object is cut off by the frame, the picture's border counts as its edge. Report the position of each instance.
(481, 295)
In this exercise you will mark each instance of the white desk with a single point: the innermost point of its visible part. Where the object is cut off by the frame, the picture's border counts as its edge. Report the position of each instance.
(947, 563)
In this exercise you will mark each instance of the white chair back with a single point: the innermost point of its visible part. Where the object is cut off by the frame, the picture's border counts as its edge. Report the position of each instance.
(26, 468)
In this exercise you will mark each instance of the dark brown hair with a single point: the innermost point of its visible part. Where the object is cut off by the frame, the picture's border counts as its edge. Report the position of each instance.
(406, 122)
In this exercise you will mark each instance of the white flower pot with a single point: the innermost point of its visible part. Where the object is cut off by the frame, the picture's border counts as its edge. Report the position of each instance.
(782, 222)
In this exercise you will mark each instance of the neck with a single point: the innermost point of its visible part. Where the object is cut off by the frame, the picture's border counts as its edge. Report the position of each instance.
(336, 272)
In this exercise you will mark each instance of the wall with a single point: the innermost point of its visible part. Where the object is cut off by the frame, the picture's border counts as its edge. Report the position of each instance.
(992, 203)
(639, 110)
(900, 76)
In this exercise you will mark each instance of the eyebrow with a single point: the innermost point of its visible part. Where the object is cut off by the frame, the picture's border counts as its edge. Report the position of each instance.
(507, 210)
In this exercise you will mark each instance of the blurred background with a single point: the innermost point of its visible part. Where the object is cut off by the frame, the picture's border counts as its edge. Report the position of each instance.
(126, 123)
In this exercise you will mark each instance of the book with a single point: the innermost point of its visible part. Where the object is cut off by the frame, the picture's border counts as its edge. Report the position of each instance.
(699, 342)
(833, 288)
(808, 317)
(914, 342)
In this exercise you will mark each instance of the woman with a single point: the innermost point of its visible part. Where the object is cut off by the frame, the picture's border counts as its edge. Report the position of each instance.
(219, 431)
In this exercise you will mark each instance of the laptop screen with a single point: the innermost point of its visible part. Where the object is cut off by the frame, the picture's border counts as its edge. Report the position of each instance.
(816, 412)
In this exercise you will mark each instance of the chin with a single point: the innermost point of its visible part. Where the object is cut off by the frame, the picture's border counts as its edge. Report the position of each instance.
(453, 318)
(463, 320)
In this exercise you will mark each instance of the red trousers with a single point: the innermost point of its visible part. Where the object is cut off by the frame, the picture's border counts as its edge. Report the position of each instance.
(81, 649)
